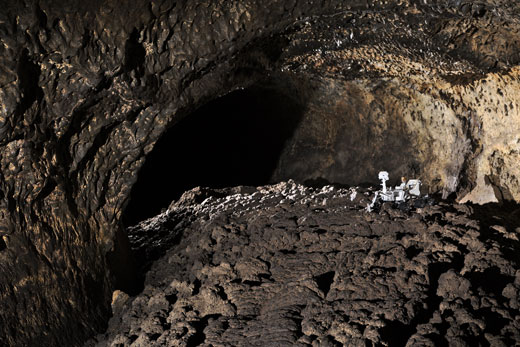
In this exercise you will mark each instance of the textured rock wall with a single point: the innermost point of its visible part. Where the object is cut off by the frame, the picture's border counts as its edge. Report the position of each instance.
(406, 93)
(430, 128)
(494, 101)
(87, 88)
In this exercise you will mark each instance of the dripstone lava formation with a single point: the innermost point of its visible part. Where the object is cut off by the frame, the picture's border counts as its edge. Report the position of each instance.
(110, 110)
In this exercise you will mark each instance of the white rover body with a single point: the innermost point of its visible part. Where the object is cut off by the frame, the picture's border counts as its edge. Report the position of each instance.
(399, 194)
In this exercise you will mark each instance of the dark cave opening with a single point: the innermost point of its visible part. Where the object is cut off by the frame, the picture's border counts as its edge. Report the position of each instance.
(234, 140)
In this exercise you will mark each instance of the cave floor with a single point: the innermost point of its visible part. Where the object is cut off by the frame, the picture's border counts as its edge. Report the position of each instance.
(290, 265)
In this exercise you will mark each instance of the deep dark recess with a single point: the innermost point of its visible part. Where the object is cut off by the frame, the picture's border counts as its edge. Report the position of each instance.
(233, 140)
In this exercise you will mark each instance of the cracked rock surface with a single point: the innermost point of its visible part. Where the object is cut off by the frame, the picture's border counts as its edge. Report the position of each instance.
(290, 265)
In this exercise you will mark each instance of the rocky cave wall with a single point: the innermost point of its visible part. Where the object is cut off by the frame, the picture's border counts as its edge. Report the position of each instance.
(449, 135)
(87, 88)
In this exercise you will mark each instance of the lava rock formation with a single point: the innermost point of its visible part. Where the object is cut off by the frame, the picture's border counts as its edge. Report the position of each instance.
(88, 88)
(287, 265)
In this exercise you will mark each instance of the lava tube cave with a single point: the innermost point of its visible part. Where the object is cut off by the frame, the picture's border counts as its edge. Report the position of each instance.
(228, 152)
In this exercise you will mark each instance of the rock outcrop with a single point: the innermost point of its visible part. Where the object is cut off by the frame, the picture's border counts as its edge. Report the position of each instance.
(289, 265)
(88, 87)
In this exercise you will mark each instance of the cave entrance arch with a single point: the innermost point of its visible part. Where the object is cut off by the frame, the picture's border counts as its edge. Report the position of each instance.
(234, 140)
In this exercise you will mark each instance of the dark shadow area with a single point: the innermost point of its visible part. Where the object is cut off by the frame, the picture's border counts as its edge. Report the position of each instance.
(396, 333)
(134, 53)
(234, 140)
(491, 280)
(324, 281)
(494, 321)
(506, 214)
(29, 76)
(412, 252)
(199, 337)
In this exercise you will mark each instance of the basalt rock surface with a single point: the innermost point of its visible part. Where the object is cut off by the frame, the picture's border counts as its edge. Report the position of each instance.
(87, 88)
(288, 265)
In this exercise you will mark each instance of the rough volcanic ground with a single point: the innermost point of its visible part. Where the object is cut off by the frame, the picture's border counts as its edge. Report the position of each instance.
(290, 265)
